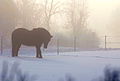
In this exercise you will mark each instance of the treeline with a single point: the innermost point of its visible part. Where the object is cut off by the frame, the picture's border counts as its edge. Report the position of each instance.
(66, 19)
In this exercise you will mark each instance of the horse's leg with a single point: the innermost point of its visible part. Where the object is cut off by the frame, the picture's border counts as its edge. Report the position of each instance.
(38, 55)
(13, 51)
(17, 49)
(37, 51)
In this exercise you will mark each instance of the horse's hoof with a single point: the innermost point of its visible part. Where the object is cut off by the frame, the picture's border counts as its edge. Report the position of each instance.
(13, 56)
(39, 57)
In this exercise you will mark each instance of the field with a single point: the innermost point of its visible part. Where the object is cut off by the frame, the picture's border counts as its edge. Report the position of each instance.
(82, 66)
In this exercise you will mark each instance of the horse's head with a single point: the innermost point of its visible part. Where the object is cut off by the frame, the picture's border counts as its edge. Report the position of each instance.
(46, 41)
(45, 36)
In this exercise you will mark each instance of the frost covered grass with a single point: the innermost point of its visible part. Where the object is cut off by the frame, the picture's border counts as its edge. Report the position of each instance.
(78, 66)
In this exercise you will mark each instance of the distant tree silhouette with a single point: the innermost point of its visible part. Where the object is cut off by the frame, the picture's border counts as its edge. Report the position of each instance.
(50, 9)
(77, 21)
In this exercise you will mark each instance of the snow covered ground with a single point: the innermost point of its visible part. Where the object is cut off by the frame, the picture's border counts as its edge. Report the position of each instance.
(83, 66)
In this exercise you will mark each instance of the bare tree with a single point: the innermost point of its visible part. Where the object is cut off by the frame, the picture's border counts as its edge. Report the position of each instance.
(36, 15)
(51, 8)
(77, 15)
(30, 13)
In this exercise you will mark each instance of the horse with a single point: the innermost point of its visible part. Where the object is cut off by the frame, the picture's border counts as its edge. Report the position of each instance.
(35, 37)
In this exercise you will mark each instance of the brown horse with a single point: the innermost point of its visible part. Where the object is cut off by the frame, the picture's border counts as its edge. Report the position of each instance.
(35, 37)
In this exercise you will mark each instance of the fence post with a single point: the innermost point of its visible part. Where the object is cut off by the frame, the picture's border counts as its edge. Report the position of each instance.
(105, 42)
(58, 51)
(1, 45)
(74, 44)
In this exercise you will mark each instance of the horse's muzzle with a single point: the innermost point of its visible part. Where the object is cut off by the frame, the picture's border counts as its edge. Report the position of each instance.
(45, 47)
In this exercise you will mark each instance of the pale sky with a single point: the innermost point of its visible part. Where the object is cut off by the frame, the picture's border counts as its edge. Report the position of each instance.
(100, 12)
(100, 15)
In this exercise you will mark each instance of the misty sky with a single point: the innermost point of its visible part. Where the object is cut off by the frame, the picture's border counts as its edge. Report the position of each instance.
(100, 15)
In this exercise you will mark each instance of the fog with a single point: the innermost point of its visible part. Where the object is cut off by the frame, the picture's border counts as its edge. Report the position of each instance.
(104, 19)
(88, 21)
(103, 15)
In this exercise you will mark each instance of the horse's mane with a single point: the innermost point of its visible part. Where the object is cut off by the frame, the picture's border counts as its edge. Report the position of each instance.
(38, 29)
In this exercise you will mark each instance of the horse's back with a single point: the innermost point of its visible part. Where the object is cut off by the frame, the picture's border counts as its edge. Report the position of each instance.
(20, 30)
(37, 34)
(19, 33)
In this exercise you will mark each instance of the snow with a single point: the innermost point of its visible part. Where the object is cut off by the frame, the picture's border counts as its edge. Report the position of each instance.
(83, 65)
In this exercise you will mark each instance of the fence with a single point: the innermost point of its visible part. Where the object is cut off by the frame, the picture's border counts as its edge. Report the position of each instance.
(111, 42)
(1, 45)
(106, 43)
(59, 45)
